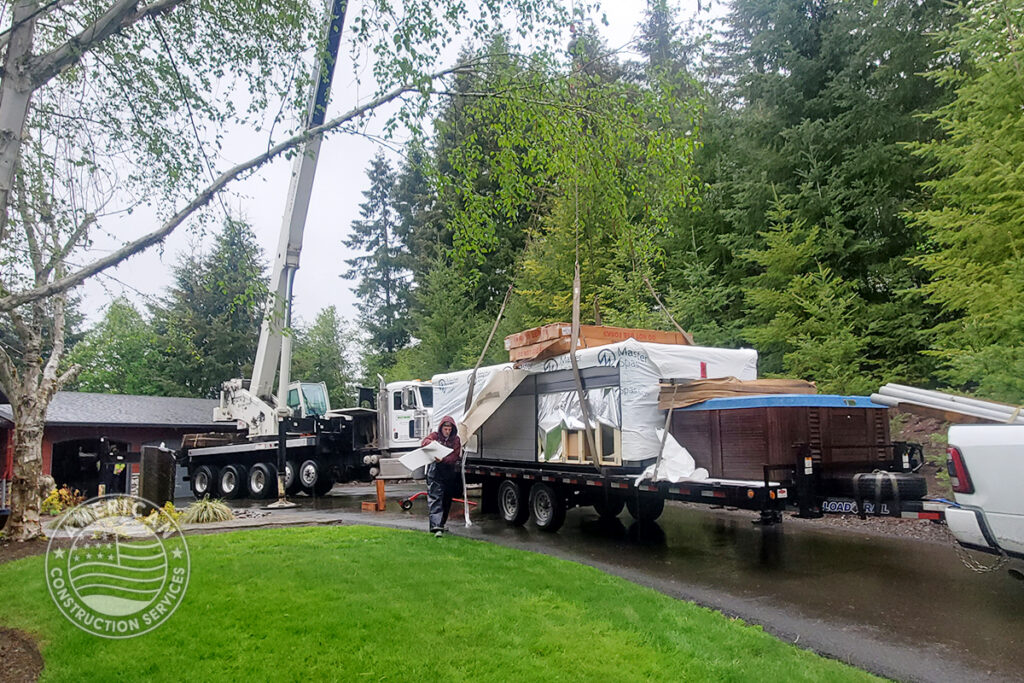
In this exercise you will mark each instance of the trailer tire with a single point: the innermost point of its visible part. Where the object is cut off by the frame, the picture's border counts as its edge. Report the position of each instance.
(609, 508)
(645, 508)
(291, 481)
(262, 481)
(547, 506)
(512, 503)
(910, 486)
(232, 482)
(204, 482)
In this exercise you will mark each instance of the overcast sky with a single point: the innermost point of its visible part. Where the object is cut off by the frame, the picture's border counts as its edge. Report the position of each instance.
(337, 194)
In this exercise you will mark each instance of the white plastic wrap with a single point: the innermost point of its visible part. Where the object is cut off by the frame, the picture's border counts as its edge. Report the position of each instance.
(562, 410)
(676, 464)
(450, 391)
(631, 407)
(497, 387)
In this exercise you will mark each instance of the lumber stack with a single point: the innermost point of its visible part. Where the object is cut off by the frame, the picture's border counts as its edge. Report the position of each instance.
(555, 339)
(945, 406)
(679, 393)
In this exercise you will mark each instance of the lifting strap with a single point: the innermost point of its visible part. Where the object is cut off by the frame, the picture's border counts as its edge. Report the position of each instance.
(588, 426)
(664, 434)
(686, 335)
(469, 394)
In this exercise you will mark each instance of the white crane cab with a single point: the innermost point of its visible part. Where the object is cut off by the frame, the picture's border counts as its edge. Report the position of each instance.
(308, 399)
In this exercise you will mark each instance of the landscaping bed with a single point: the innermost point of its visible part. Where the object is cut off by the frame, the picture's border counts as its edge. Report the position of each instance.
(357, 602)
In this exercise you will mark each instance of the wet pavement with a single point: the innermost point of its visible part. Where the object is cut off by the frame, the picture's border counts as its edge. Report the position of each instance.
(900, 607)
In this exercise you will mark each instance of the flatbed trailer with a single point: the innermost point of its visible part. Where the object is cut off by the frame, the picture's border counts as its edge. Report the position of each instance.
(545, 491)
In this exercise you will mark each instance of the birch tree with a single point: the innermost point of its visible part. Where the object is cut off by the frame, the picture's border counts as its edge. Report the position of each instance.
(108, 106)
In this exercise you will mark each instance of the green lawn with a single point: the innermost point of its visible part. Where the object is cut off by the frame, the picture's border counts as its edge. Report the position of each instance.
(362, 603)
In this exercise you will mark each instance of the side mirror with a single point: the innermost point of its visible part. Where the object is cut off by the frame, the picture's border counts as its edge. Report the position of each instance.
(408, 398)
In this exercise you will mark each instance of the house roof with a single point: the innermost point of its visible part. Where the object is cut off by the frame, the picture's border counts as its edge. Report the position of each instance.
(75, 408)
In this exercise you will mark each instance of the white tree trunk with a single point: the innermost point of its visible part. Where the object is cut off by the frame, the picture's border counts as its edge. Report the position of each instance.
(26, 497)
(15, 92)
(30, 389)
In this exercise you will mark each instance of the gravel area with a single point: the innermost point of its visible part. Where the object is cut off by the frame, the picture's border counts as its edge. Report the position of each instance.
(248, 513)
(918, 529)
(895, 527)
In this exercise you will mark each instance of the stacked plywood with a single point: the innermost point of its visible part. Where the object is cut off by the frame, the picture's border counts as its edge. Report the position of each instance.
(555, 339)
(687, 392)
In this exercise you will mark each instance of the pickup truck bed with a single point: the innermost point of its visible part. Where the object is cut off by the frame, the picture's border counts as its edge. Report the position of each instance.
(986, 464)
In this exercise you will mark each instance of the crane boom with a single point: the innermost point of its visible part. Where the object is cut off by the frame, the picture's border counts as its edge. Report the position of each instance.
(278, 314)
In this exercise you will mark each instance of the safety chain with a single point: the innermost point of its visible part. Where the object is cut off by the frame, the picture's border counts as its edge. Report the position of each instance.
(973, 564)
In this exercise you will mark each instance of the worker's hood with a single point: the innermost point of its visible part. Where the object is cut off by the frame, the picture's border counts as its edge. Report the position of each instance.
(447, 419)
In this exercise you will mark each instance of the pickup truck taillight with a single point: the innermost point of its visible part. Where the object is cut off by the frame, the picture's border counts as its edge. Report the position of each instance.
(958, 475)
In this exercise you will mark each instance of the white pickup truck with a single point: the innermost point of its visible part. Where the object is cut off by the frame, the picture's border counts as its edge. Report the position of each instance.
(986, 468)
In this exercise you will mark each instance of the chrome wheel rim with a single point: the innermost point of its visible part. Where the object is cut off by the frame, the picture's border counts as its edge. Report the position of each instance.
(509, 502)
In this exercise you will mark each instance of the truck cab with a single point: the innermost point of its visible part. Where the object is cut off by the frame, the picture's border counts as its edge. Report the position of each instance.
(308, 399)
(403, 414)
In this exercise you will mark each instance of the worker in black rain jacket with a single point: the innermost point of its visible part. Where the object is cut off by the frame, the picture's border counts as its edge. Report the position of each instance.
(443, 475)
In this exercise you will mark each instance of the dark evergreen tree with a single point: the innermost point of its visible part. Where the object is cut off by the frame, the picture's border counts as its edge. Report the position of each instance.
(421, 216)
(819, 99)
(323, 352)
(120, 355)
(381, 272)
(208, 324)
(975, 214)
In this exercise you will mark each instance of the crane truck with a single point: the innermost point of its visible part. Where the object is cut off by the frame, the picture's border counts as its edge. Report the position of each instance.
(293, 441)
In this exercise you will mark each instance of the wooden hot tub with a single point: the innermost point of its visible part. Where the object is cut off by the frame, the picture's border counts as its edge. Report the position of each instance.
(734, 438)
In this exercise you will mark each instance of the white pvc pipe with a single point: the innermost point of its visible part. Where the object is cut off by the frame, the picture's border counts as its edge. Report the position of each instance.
(945, 403)
(966, 400)
(908, 397)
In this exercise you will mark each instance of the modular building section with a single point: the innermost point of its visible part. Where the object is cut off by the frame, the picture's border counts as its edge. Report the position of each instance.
(541, 420)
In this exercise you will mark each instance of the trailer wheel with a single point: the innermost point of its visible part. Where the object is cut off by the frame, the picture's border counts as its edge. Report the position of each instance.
(291, 481)
(232, 482)
(203, 481)
(406, 504)
(611, 507)
(547, 506)
(646, 508)
(263, 481)
(512, 503)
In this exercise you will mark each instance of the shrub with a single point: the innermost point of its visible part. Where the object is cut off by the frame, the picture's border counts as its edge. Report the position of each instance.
(205, 511)
(122, 506)
(78, 517)
(59, 500)
(153, 518)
